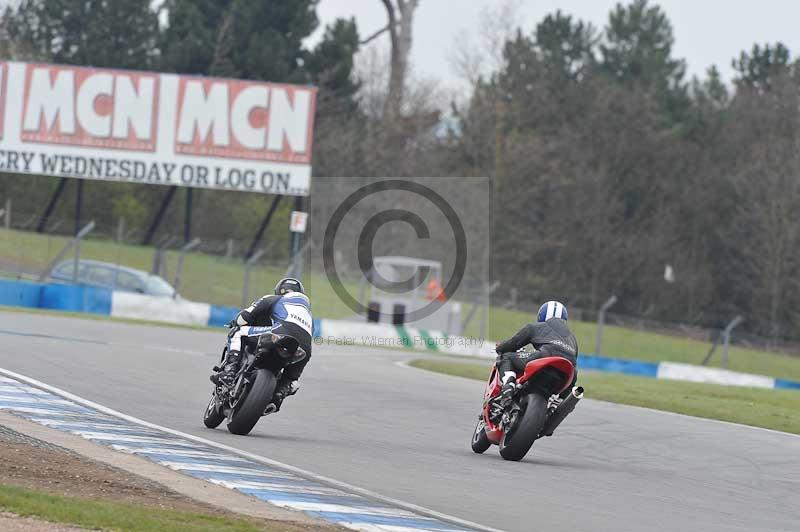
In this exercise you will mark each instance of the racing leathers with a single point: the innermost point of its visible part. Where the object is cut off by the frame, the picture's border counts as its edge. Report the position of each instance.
(288, 314)
(551, 338)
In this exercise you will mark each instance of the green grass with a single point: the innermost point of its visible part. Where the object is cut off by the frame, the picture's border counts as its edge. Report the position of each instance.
(205, 277)
(619, 342)
(117, 516)
(217, 280)
(772, 409)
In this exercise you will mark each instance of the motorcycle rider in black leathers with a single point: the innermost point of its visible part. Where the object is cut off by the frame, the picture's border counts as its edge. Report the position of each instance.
(550, 337)
(287, 312)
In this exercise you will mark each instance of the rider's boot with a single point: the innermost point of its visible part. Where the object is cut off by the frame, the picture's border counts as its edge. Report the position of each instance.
(509, 387)
(503, 400)
(228, 373)
(283, 390)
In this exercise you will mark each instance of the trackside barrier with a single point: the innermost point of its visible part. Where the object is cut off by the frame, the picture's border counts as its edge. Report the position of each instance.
(76, 298)
(380, 335)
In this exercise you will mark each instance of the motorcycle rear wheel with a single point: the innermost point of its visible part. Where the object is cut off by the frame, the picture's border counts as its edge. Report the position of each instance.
(213, 415)
(517, 442)
(249, 409)
(480, 442)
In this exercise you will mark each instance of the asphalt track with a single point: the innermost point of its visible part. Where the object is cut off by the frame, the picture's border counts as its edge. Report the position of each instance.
(362, 419)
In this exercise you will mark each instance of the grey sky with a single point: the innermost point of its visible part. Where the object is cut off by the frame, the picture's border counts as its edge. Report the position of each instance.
(706, 31)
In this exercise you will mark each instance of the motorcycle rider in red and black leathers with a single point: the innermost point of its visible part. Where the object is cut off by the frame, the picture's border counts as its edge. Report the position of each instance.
(550, 337)
(286, 312)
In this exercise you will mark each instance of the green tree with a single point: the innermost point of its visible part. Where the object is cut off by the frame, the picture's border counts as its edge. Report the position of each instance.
(759, 68)
(189, 42)
(250, 39)
(566, 47)
(637, 51)
(331, 62)
(82, 32)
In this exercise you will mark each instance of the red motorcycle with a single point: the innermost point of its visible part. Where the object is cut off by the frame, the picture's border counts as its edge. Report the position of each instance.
(530, 414)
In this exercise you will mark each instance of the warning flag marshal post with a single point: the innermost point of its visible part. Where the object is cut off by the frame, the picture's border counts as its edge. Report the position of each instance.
(152, 128)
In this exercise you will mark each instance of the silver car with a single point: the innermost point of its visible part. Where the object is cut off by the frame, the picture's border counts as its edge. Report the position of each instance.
(113, 277)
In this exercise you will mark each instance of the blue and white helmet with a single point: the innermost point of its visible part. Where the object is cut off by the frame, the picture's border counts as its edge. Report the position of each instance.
(552, 309)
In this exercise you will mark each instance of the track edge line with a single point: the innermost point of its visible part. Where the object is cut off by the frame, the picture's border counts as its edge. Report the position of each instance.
(257, 458)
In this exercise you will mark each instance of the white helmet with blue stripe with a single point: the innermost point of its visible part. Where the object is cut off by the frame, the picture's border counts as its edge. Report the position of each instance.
(552, 309)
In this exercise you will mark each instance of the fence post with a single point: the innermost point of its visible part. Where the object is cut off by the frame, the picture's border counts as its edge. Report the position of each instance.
(120, 229)
(179, 268)
(74, 242)
(248, 265)
(726, 338)
(295, 268)
(601, 320)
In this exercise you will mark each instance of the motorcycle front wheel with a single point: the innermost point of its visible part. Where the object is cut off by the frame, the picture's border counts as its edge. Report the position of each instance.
(518, 439)
(249, 409)
(213, 415)
(479, 440)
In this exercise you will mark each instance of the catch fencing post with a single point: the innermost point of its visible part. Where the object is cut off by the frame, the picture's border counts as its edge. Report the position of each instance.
(179, 268)
(601, 320)
(726, 338)
(248, 265)
(7, 215)
(295, 268)
(74, 242)
(120, 230)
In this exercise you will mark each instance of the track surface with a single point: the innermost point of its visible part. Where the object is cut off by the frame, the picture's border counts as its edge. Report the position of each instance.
(404, 433)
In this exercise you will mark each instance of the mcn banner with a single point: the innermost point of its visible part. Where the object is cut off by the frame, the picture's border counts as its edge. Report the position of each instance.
(161, 129)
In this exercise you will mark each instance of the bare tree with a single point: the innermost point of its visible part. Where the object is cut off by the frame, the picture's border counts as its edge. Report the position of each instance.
(496, 26)
(400, 27)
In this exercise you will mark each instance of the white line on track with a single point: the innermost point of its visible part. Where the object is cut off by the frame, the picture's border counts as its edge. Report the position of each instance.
(183, 466)
(256, 458)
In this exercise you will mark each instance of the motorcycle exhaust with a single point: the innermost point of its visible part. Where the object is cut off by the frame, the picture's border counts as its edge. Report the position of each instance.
(563, 410)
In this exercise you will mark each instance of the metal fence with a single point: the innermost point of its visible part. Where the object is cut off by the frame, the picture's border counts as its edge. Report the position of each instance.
(218, 271)
(209, 270)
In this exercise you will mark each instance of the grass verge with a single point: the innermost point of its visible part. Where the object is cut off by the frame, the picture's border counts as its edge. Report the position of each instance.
(619, 342)
(771, 409)
(118, 516)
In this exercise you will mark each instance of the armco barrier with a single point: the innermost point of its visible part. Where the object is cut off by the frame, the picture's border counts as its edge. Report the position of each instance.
(618, 365)
(19, 294)
(220, 316)
(77, 298)
(70, 298)
(381, 335)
